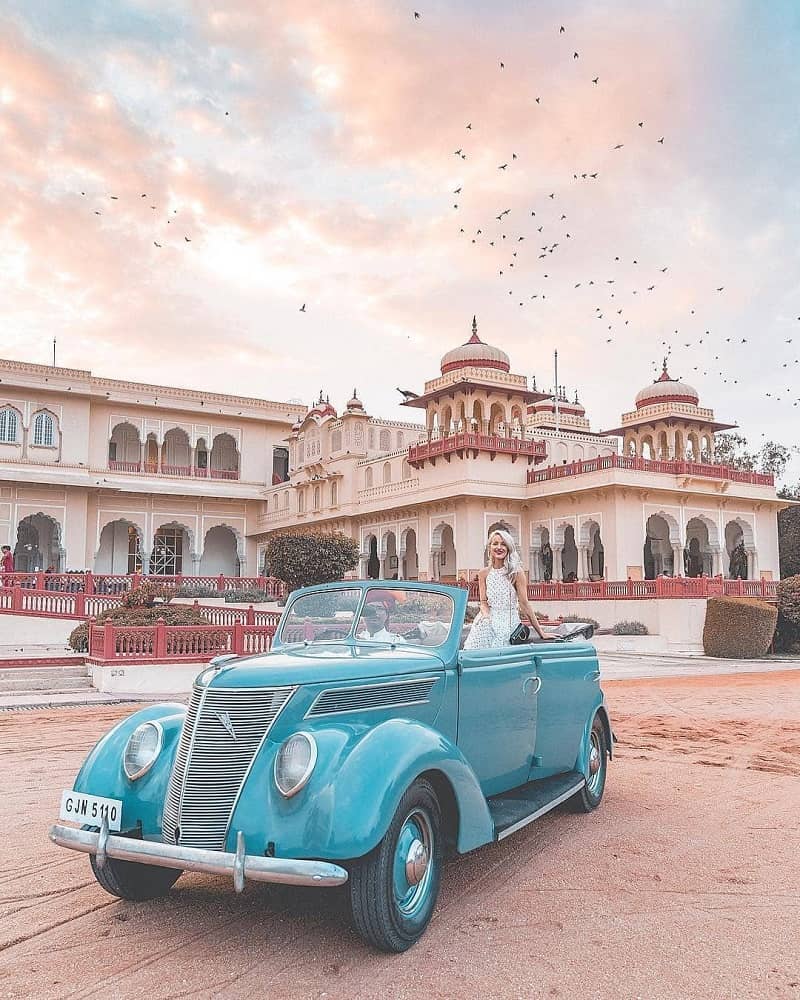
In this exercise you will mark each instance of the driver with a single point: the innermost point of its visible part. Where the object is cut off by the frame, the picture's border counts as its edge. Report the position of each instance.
(375, 619)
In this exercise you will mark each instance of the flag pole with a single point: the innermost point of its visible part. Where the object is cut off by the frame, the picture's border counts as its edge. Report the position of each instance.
(555, 360)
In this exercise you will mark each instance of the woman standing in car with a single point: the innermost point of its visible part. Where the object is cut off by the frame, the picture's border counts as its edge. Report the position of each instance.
(503, 594)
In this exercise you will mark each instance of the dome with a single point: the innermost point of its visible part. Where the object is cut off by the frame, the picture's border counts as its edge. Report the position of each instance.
(666, 390)
(475, 353)
(355, 403)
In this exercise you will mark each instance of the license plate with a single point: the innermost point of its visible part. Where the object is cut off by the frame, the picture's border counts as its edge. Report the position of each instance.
(90, 809)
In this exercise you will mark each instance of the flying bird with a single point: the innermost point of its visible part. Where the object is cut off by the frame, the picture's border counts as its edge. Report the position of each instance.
(407, 393)
(596, 79)
(156, 244)
(457, 191)
(187, 239)
(561, 30)
(502, 166)
(574, 55)
(303, 308)
(502, 65)
(114, 197)
(619, 145)
(661, 140)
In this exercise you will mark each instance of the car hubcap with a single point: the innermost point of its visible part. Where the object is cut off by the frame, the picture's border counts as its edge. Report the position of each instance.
(595, 764)
(413, 871)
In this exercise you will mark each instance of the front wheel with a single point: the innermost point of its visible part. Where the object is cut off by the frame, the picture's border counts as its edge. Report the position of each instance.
(393, 889)
(590, 796)
(130, 880)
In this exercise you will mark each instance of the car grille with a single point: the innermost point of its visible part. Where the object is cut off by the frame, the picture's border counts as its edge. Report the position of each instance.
(211, 764)
(371, 696)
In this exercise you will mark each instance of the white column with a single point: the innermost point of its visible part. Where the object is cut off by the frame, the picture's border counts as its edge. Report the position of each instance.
(583, 562)
(535, 565)
(677, 558)
(558, 566)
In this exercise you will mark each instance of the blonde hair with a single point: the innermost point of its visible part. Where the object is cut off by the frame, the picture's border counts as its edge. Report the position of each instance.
(513, 563)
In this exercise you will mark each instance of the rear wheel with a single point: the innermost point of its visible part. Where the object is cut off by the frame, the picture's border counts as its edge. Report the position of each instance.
(393, 889)
(130, 880)
(590, 796)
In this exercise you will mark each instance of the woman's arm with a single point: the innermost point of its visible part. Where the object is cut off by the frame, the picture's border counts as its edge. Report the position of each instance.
(482, 593)
(521, 587)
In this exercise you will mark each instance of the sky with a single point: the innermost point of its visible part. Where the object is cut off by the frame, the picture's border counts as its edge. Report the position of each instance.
(179, 177)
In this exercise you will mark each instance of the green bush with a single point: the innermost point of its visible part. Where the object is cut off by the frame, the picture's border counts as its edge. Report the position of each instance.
(738, 627)
(589, 621)
(302, 558)
(787, 632)
(173, 614)
(190, 591)
(246, 596)
(629, 628)
(146, 594)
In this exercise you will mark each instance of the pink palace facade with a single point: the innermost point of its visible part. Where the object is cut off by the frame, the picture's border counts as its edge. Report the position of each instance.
(118, 476)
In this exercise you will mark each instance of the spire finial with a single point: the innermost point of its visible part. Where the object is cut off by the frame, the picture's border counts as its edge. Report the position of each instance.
(474, 339)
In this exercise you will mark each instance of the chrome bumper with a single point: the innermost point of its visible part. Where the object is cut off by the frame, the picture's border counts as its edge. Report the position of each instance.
(241, 866)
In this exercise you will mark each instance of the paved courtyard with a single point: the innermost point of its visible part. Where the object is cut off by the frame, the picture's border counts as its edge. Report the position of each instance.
(685, 883)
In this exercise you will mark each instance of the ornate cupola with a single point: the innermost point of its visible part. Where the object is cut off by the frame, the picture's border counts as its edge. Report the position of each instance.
(476, 405)
(475, 354)
(668, 422)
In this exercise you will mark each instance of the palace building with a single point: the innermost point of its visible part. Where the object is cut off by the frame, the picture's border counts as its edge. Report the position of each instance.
(118, 477)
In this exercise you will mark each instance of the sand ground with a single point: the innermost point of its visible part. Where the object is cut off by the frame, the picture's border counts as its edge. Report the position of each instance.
(684, 884)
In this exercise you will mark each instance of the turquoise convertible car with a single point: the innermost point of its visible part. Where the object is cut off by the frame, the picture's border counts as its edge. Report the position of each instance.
(358, 751)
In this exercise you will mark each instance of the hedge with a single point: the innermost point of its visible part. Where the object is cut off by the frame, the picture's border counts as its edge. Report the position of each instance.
(173, 614)
(630, 628)
(787, 634)
(738, 627)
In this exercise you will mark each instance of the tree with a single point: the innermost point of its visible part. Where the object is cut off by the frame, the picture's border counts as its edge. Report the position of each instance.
(771, 458)
(301, 558)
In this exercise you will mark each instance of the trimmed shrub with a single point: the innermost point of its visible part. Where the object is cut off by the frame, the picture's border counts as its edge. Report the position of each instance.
(301, 558)
(189, 591)
(738, 627)
(246, 596)
(146, 594)
(588, 620)
(787, 633)
(173, 614)
(630, 628)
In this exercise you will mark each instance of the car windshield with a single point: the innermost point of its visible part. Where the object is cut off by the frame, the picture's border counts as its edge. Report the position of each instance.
(397, 615)
(326, 614)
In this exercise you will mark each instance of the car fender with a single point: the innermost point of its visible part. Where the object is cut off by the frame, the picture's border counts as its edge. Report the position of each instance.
(360, 777)
(582, 762)
(102, 772)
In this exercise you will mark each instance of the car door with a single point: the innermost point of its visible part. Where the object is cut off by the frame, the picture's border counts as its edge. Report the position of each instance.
(497, 714)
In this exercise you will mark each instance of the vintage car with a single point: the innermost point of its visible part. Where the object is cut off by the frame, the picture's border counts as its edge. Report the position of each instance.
(360, 749)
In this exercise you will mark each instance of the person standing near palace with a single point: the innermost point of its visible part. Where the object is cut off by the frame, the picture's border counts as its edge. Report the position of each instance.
(7, 561)
(503, 593)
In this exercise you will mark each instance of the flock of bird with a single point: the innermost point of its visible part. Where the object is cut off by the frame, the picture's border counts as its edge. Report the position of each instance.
(549, 228)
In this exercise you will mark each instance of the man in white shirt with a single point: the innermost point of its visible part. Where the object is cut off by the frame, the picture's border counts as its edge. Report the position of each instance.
(375, 618)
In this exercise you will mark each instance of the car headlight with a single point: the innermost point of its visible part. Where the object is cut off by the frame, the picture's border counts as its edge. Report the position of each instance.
(294, 763)
(142, 749)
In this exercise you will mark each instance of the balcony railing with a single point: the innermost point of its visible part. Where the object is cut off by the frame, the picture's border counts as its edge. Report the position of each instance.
(701, 587)
(467, 441)
(181, 471)
(673, 467)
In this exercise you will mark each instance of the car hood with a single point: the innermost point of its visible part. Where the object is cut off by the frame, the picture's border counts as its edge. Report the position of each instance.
(322, 662)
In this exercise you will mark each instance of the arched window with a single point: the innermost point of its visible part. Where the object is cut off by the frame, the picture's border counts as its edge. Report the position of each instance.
(334, 493)
(385, 441)
(387, 472)
(301, 502)
(400, 439)
(316, 498)
(336, 441)
(8, 426)
(368, 477)
(407, 472)
(43, 430)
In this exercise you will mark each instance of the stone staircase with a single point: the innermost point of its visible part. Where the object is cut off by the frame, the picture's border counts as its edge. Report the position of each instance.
(44, 681)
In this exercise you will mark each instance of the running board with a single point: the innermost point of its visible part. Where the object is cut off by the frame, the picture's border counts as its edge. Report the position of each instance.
(513, 810)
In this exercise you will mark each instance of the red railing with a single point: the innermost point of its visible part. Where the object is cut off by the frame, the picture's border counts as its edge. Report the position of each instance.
(175, 643)
(638, 590)
(186, 471)
(119, 583)
(464, 440)
(124, 466)
(672, 467)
